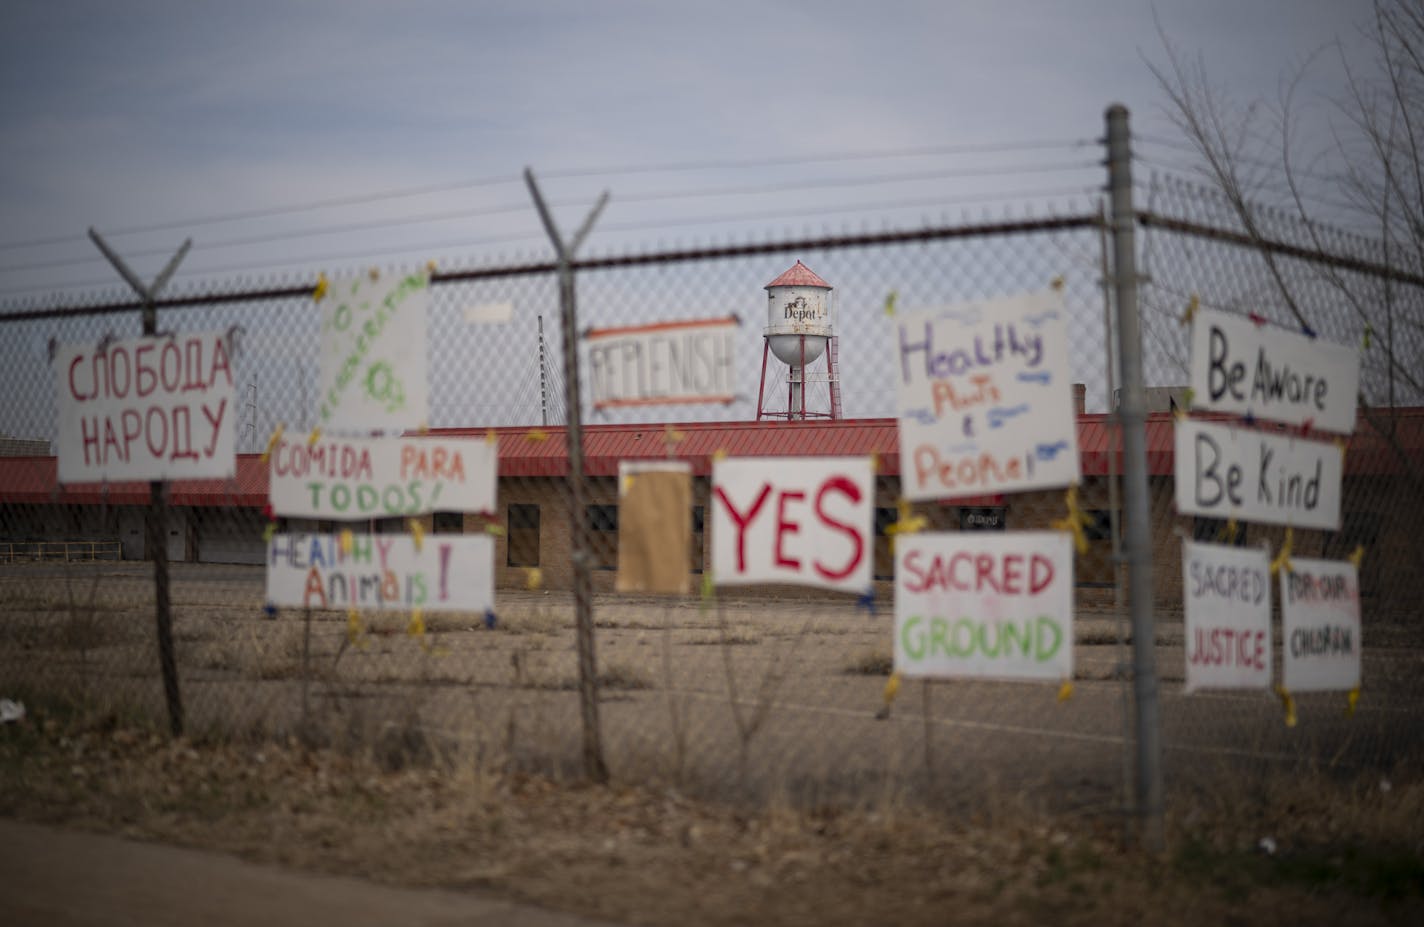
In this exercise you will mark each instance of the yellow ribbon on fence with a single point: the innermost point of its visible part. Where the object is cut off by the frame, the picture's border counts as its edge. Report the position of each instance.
(1283, 559)
(1288, 701)
(355, 632)
(322, 284)
(1190, 312)
(1075, 521)
(346, 539)
(417, 533)
(1229, 531)
(533, 579)
(1351, 701)
(416, 628)
(905, 522)
(272, 442)
(314, 437)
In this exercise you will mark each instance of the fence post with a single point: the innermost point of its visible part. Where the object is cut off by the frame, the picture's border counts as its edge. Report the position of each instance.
(593, 764)
(1132, 414)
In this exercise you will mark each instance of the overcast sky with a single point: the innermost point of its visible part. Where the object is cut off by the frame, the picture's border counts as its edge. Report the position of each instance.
(126, 115)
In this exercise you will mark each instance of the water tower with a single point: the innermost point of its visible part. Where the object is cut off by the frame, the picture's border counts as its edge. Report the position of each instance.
(800, 329)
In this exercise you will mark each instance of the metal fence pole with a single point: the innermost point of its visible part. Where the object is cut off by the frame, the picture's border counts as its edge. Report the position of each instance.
(1132, 415)
(594, 767)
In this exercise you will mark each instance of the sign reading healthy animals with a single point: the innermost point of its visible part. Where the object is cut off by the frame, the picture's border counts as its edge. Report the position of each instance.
(359, 478)
(146, 409)
(985, 398)
(373, 369)
(802, 520)
(1228, 616)
(664, 363)
(1320, 625)
(654, 526)
(1226, 472)
(1272, 373)
(986, 605)
(381, 571)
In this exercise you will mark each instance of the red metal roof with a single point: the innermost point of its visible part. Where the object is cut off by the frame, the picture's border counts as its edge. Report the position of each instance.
(799, 275)
(543, 452)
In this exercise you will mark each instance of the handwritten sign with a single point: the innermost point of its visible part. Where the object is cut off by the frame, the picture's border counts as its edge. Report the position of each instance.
(1272, 373)
(985, 398)
(1226, 472)
(1320, 625)
(803, 520)
(373, 367)
(984, 605)
(381, 572)
(654, 526)
(1228, 616)
(360, 478)
(146, 409)
(664, 363)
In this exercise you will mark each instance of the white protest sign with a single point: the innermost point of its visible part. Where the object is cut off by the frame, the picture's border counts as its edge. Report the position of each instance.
(360, 478)
(1272, 373)
(664, 363)
(382, 572)
(802, 520)
(1225, 472)
(373, 368)
(986, 605)
(1320, 625)
(154, 408)
(985, 398)
(1228, 616)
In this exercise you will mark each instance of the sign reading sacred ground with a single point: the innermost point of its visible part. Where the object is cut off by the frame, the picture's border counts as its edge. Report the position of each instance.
(1241, 473)
(985, 605)
(1320, 625)
(1272, 373)
(1228, 616)
(360, 478)
(664, 363)
(152, 408)
(381, 572)
(985, 398)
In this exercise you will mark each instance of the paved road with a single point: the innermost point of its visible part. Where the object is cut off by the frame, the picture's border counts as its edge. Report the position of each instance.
(59, 878)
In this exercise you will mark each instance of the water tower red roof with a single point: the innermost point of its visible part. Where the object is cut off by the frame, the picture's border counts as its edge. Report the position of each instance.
(800, 275)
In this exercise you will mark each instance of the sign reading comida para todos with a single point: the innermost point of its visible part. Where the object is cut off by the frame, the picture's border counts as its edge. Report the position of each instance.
(985, 398)
(803, 520)
(1320, 625)
(1272, 373)
(381, 572)
(1225, 472)
(358, 478)
(373, 366)
(663, 363)
(984, 605)
(152, 408)
(1228, 616)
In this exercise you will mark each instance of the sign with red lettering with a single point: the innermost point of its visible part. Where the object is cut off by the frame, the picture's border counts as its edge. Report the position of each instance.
(691, 361)
(1320, 625)
(1228, 616)
(980, 604)
(152, 408)
(383, 572)
(360, 478)
(373, 367)
(808, 521)
(985, 398)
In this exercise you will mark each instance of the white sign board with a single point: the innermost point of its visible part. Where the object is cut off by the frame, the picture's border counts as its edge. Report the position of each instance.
(360, 478)
(997, 606)
(373, 368)
(1225, 472)
(1228, 616)
(1272, 373)
(664, 363)
(985, 398)
(1320, 625)
(154, 408)
(803, 520)
(381, 572)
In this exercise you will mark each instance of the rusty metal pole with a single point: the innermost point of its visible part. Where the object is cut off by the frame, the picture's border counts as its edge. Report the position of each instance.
(594, 767)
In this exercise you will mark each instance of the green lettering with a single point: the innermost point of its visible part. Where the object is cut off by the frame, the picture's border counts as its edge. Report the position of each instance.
(967, 648)
(1047, 624)
(938, 629)
(911, 643)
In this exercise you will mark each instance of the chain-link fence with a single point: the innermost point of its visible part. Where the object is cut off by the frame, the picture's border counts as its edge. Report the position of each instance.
(765, 695)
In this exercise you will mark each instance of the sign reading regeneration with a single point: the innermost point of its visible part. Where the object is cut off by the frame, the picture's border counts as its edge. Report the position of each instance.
(985, 398)
(153, 408)
(381, 571)
(984, 604)
(1228, 616)
(359, 478)
(664, 363)
(373, 368)
(1226, 472)
(802, 520)
(1272, 373)
(1320, 625)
